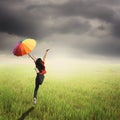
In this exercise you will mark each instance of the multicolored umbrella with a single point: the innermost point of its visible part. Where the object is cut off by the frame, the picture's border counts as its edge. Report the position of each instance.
(24, 47)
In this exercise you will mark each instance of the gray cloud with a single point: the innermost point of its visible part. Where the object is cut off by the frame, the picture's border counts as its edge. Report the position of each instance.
(77, 8)
(15, 22)
(88, 10)
(116, 29)
(25, 23)
(98, 21)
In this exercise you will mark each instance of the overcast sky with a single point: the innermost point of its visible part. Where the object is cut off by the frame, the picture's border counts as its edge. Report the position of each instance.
(72, 28)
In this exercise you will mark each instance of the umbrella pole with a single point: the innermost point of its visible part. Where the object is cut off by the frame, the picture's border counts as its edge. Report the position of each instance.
(31, 56)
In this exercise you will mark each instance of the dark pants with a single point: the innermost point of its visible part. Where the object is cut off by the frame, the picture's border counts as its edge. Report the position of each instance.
(38, 81)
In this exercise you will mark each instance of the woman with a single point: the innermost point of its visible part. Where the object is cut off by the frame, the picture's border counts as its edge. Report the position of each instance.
(40, 71)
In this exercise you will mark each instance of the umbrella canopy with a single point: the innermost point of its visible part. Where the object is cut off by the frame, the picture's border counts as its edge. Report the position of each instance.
(24, 47)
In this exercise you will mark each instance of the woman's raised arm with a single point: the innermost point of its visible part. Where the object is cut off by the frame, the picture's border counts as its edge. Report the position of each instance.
(44, 57)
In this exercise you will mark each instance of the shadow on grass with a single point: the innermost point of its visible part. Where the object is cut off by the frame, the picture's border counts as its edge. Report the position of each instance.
(26, 113)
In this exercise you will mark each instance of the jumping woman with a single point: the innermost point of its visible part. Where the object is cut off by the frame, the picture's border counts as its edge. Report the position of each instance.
(40, 71)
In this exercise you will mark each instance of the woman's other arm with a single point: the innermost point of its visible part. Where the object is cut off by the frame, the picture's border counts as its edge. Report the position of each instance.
(44, 57)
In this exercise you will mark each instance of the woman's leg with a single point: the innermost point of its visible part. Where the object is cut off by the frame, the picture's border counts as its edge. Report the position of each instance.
(39, 81)
(36, 86)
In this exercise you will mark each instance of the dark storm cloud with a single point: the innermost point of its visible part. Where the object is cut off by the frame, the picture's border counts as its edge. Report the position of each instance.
(77, 8)
(73, 27)
(76, 28)
(108, 2)
(23, 22)
(33, 19)
(13, 22)
(116, 29)
(89, 10)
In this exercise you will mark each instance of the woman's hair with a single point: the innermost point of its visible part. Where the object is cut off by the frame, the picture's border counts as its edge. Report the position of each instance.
(39, 64)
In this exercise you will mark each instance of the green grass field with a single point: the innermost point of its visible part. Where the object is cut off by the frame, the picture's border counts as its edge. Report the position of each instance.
(80, 94)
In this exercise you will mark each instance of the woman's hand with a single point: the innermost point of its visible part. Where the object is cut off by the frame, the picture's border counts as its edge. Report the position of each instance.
(47, 50)
(45, 54)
